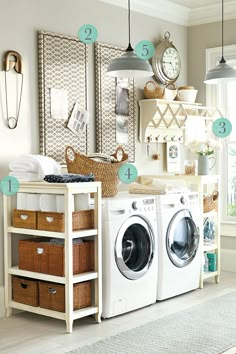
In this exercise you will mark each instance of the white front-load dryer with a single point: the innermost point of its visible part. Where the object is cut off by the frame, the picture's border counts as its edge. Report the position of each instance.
(129, 253)
(179, 246)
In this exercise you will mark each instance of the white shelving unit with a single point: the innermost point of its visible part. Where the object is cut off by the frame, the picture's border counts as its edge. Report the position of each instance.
(68, 190)
(202, 184)
(166, 119)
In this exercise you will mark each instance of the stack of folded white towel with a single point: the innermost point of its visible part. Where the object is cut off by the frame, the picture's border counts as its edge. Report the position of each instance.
(159, 186)
(33, 167)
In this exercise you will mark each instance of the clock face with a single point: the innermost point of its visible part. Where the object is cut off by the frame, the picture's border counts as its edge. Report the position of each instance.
(170, 63)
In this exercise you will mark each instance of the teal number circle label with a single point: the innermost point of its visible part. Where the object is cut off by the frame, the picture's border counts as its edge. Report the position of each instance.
(9, 185)
(222, 127)
(127, 173)
(87, 34)
(145, 50)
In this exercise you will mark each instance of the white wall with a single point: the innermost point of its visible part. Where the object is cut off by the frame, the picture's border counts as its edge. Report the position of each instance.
(200, 38)
(19, 24)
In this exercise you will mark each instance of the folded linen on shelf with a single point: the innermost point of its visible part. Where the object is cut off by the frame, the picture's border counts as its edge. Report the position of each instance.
(25, 176)
(161, 186)
(58, 241)
(39, 164)
(69, 178)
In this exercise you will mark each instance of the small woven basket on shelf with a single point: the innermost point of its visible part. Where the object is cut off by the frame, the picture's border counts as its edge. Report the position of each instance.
(210, 202)
(155, 92)
(105, 172)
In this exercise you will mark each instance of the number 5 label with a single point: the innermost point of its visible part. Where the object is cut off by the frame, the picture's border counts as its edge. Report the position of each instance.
(144, 50)
(127, 173)
(222, 127)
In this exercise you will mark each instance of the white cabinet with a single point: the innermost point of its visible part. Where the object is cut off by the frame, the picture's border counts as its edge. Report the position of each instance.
(204, 185)
(69, 190)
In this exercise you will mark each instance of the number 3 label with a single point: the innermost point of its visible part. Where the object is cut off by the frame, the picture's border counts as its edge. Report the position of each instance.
(144, 50)
(222, 127)
(87, 34)
(127, 173)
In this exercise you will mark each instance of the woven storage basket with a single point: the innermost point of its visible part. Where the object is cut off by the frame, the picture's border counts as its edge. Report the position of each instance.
(156, 92)
(36, 255)
(210, 202)
(24, 218)
(52, 295)
(25, 291)
(107, 173)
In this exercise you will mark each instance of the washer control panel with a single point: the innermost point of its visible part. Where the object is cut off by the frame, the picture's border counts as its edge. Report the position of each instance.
(143, 205)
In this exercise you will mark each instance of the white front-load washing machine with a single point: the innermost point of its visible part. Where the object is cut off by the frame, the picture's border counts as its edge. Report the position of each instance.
(129, 253)
(179, 246)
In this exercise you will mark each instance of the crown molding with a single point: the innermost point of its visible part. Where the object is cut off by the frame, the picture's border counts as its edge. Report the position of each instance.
(168, 11)
(211, 13)
(162, 9)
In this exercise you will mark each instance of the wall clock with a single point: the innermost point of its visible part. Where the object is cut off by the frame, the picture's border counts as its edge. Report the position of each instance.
(166, 61)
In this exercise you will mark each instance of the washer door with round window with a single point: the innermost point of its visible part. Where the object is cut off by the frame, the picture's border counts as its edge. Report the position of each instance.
(134, 247)
(182, 239)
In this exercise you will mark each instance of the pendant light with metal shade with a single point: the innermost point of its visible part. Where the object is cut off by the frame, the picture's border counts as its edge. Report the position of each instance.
(128, 64)
(222, 71)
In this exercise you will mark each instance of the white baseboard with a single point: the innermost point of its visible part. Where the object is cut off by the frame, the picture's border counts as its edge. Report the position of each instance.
(228, 260)
(2, 302)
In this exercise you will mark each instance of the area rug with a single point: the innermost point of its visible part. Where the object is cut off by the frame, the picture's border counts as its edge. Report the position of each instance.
(208, 328)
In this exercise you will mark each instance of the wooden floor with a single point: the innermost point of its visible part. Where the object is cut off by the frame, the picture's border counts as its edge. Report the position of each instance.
(29, 333)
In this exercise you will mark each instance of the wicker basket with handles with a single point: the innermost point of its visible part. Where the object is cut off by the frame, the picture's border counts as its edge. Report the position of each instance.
(210, 202)
(155, 92)
(105, 172)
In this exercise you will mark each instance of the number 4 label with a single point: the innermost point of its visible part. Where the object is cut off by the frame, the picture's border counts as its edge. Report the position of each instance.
(127, 173)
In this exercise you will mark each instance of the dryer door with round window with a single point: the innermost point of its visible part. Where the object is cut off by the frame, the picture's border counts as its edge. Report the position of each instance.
(182, 239)
(134, 247)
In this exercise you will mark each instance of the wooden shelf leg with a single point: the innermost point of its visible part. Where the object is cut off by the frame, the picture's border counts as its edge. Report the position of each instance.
(98, 317)
(8, 311)
(217, 279)
(69, 326)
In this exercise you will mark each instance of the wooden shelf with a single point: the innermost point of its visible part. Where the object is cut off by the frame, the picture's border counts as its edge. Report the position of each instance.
(77, 278)
(42, 233)
(207, 275)
(208, 248)
(69, 190)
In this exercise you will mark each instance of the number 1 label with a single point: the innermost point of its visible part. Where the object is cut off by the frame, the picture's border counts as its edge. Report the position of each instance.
(9, 185)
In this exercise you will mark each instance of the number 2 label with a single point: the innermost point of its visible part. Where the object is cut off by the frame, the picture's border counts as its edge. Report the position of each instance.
(87, 34)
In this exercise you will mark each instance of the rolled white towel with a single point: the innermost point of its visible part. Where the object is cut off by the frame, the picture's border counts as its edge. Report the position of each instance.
(21, 201)
(32, 201)
(81, 201)
(48, 202)
(43, 165)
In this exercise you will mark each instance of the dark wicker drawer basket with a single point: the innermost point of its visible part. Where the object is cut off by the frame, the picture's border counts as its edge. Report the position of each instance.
(25, 291)
(38, 255)
(52, 295)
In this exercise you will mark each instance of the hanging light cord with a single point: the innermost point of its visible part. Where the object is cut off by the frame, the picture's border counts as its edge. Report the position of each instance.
(222, 34)
(129, 46)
